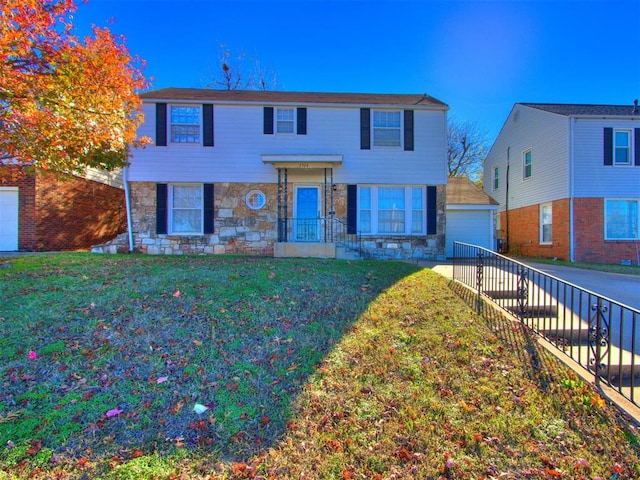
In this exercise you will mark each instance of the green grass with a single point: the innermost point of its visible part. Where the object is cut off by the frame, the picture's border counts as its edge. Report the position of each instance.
(325, 368)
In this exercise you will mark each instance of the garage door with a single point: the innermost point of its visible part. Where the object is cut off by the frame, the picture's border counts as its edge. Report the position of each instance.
(469, 226)
(8, 219)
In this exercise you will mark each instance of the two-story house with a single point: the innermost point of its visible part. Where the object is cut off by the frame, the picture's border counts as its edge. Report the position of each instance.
(567, 178)
(289, 173)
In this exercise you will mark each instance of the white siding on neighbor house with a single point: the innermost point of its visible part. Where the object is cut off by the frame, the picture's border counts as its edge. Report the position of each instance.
(591, 177)
(547, 135)
(240, 142)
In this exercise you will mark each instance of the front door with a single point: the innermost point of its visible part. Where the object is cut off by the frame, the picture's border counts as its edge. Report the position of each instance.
(307, 214)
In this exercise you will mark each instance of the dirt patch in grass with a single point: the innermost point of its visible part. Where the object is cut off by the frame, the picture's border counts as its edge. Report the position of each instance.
(314, 368)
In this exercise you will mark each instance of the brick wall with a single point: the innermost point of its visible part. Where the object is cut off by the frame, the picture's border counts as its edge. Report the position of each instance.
(524, 231)
(74, 213)
(590, 245)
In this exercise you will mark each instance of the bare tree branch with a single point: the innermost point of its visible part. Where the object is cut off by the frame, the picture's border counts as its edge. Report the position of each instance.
(466, 150)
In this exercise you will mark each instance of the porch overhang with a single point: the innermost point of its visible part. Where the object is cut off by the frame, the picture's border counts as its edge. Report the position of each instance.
(304, 162)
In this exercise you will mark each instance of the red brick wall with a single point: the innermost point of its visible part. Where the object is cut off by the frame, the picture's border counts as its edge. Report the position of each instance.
(590, 245)
(524, 231)
(26, 206)
(75, 213)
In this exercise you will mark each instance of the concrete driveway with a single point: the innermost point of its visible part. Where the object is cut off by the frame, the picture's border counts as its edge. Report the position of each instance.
(616, 286)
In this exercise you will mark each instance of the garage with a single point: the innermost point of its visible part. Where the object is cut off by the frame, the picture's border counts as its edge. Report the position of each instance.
(8, 219)
(470, 213)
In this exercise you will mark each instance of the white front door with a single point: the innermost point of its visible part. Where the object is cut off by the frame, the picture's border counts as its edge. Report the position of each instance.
(306, 226)
(8, 219)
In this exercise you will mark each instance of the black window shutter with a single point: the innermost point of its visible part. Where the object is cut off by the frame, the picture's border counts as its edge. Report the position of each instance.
(207, 125)
(302, 121)
(636, 135)
(365, 129)
(208, 208)
(432, 210)
(161, 124)
(408, 130)
(161, 207)
(608, 146)
(268, 120)
(352, 209)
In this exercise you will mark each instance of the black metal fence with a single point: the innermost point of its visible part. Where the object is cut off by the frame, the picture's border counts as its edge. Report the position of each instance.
(600, 334)
(325, 230)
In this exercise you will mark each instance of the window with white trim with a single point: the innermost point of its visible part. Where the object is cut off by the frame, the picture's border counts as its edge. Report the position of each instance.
(621, 219)
(622, 147)
(546, 223)
(185, 123)
(186, 209)
(527, 161)
(391, 210)
(285, 120)
(387, 128)
(496, 178)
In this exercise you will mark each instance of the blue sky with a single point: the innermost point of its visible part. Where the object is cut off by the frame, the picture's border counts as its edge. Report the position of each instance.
(478, 57)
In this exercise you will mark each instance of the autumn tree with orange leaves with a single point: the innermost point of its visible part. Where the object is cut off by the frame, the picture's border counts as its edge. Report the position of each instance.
(65, 103)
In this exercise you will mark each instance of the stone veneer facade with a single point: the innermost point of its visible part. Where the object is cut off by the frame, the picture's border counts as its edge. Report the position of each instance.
(241, 230)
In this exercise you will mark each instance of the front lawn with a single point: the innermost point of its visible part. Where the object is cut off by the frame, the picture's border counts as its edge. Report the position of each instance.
(173, 367)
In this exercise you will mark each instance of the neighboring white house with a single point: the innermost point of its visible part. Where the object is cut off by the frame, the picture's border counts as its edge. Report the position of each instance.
(470, 215)
(255, 171)
(567, 178)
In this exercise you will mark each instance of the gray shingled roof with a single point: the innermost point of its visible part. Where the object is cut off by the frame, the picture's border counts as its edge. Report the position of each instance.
(262, 96)
(579, 110)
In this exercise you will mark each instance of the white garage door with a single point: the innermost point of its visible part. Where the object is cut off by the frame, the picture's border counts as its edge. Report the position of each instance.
(8, 219)
(469, 226)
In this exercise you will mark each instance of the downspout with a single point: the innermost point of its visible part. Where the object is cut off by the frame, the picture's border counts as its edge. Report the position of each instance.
(127, 201)
(572, 121)
(506, 204)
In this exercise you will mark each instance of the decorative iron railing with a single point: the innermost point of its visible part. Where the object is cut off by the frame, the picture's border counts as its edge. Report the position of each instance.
(325, 230)
(600, 334)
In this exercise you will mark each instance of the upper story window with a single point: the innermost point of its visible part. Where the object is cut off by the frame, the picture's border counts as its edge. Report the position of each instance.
(285, 120)
(386, 128)
(527, 161)
(496, 178)
(622, 147)
(185, 124)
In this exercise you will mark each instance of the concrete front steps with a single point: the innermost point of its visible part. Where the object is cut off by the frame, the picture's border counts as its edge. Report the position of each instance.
(313, 250)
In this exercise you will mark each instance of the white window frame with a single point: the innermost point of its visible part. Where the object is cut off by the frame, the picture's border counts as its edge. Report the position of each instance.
(279, 122)
(544, 223)
(628, 147)
(171, 208)
(496, 178)
(607, 211)
(524, 164)
(399, 128)
(198, 137)
(373, 211)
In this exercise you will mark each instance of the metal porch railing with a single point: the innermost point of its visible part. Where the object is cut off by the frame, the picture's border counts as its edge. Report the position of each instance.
(325, 230)
(600, 334)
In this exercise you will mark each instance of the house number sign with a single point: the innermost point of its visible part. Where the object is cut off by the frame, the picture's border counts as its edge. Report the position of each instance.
(303, 165)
